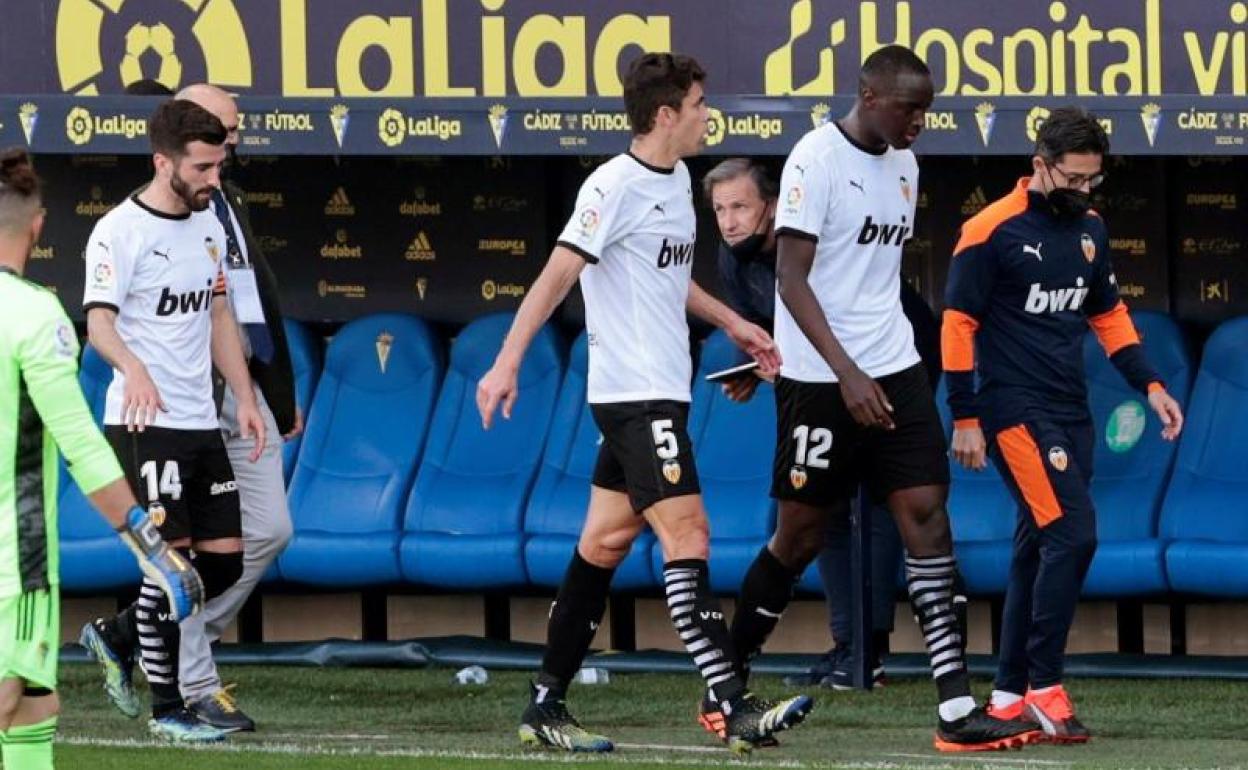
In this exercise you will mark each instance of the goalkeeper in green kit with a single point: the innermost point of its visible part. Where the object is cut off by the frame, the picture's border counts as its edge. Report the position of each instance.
(41, 403)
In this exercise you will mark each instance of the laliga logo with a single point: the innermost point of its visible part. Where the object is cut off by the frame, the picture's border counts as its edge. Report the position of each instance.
(78, 125)
(1035, 119)
(158, 38)
(715, 127)
(392, 127)
(214, 24)
(81, 126)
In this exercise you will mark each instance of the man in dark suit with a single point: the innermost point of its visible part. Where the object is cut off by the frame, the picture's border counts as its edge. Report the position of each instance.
(262, 491)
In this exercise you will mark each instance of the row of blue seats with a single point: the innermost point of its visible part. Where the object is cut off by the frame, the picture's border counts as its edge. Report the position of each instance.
(395, 481)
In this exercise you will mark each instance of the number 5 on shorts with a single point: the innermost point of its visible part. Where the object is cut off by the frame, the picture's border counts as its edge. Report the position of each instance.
(664, 440)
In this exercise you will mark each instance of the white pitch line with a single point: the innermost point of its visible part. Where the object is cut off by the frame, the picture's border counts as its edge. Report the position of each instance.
(314, 750)
(329, 736)
(665, 747)
(987, 758)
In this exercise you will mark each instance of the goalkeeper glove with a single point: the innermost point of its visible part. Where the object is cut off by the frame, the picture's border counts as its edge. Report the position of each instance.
(163, 565)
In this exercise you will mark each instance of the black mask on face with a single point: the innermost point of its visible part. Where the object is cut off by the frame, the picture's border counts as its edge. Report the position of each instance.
(751, 246)
(231, 161)
(1068, 203)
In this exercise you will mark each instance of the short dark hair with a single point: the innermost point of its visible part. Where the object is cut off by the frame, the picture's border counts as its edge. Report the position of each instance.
(148, 87)
(734, 168)
(20, 196)
(177, 122)
(1070, 129)
(889, 62)
(657, 80)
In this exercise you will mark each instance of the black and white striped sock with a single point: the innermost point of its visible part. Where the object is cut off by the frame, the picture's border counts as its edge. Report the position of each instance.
(159, 637)
(930, 581)
(699, 622)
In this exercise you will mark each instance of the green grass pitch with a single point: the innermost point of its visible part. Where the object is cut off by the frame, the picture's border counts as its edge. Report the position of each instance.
(375, 719)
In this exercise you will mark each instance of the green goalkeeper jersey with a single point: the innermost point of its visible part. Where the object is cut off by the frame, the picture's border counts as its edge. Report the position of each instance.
(41, 407)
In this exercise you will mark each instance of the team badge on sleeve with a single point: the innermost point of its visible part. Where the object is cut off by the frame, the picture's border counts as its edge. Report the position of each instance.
(1089, 247)
(793, 199)
(588, 221)
(102, 276)
(64, 341)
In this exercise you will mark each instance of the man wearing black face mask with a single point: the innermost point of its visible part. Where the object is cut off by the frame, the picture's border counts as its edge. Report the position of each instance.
(743, 197)
(1029, 275)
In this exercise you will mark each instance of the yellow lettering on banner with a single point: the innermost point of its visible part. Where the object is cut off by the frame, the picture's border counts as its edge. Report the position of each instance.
(778, 66)
(394, 37)
(1239, 71)
(979, 65)
(653, 33)
(437, 52)
(953, 62)
(566, 34)
(1057, 12)
(493, 50)
(1081, 37)
(226, 65)
(1208, 72)
(1039, 48)
(995, 62)
(1131, 68)
(868, 19)
(1152, 36)
(1239, 52)
(294, 18)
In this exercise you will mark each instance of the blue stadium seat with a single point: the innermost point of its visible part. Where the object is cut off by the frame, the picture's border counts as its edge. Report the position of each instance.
(93, 559)
(734, 446)
(365, 434)
(1132, 463)
(982, 516)
(306, 358)
(463, 526)
(1205, 512)
(557, 506)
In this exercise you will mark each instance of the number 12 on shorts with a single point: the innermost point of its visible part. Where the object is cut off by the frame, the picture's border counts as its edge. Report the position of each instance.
(812, 446)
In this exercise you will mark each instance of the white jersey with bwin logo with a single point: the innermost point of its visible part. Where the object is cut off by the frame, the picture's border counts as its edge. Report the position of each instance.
(635, 225)
(159, 273)
(859, 207)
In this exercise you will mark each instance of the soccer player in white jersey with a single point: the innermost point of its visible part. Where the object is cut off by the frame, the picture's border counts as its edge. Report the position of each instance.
(630, 241)
(853, 404)
(157, 311)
